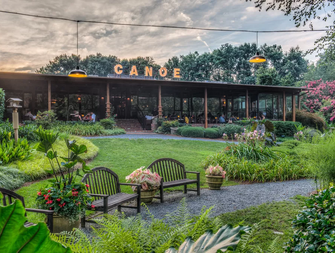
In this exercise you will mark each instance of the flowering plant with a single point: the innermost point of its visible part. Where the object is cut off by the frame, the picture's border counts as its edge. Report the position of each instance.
(70, 202)
(299, 136)
(147, 179)
(215, 171)
(251, 138)
(66, 197)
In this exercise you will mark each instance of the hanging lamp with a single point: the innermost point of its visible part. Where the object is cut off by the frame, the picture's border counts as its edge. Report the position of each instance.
(257, 58)
(77, 72)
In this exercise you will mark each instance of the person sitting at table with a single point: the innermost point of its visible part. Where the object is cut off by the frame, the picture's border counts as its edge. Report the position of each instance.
(222, 119)
(186, 119)
(76, 116)
(93, 117)
(30, 115)
(87, 117)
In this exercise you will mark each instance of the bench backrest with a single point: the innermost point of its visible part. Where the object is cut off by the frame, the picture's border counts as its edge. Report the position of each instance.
(8, 197)
(169, 169)
(102, 181)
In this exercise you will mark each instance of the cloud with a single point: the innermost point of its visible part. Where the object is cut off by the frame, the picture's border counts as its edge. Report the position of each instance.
(29, 43)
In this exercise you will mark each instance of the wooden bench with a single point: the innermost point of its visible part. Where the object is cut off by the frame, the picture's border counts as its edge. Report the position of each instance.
(173, 174)
(104, 187)
(10, 196)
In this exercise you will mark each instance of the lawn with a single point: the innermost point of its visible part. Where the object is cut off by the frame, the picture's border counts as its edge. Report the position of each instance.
(124, 156)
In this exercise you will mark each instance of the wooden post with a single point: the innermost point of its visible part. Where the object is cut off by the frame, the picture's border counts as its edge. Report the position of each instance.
(160, 108)
(284, 106)
(49, 95)
(108, 104)
(247, 104)
(299, 102)
(293, 108)
(206, 116)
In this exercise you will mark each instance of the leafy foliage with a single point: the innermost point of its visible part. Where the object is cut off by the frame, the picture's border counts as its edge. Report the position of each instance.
(193, 132)
(211, 133)
(45, 119)
(285, 128)
(226, 238)
(315, 225)
(242, 169)
(230, 130)
(138, 234)
(249, 151)
(107, 123)
(308, 119)
(80, 129)
(165, 127)
(11, 151)
(14, 237)
(11, 178)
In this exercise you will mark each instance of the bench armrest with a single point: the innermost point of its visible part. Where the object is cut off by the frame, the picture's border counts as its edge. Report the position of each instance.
(192, 172)
(99, 195)
(39, 211)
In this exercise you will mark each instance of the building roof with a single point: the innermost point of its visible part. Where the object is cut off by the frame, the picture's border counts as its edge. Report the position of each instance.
(147, 81)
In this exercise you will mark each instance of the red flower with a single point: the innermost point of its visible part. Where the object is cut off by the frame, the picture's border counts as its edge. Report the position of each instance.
(60, 205)
(50, 208)
(87, 190)
(93, 206)
(87, 185)
(49, 191)
(79, 203)
(58, 200)
(39, 193)
(64, 204)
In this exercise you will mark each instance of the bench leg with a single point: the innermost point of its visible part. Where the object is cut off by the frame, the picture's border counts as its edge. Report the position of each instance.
(50, 222)
(83, 221)
(185, 188)
(119, 208)
(138, 200)
(198, 184)
(161, 194)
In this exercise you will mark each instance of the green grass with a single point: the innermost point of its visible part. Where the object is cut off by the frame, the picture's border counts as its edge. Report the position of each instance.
(274, 217)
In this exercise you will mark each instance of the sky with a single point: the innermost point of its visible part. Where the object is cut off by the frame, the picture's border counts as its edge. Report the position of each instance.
(28, 43)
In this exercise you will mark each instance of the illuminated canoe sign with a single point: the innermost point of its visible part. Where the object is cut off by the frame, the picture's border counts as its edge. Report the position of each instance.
(118, 69)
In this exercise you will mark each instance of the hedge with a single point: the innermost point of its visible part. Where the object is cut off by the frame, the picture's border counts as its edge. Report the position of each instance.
(193, 132)
(308, 119)
(285, 128)
(211, 133)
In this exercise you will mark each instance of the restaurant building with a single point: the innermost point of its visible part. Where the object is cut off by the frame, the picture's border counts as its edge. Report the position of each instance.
(126, 96)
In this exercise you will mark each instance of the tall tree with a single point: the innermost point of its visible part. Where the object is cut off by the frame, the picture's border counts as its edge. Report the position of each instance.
(60, 65)
(99, 64)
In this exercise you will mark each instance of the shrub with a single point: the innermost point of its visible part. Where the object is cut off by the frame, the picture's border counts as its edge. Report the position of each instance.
(230, 130)
(116, 131)
(308, 119)
(45, 119)
(251, 152)
(165, 128)
(211, 133)
(80, 129)
(11, 178)
(27, 132)
(193, 132)
(314, 225)
(248, 170)
(269, 127)
(11, 151)
(107, 123)
(285, 128)
(2, 104)
(180, 129)
(244, 122)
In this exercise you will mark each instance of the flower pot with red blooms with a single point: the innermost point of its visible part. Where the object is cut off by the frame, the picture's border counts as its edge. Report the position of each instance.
(214, 177)
(68, 199)
(149, 182)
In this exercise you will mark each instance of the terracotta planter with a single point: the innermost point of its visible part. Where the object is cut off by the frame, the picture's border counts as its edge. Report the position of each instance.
(214, 182)
(147, 196)
(63, 224)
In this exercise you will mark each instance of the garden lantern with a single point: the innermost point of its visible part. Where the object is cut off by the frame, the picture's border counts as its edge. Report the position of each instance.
(15, 104)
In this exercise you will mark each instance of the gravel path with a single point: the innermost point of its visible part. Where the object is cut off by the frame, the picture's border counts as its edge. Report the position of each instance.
(230, 198)
(154, 136)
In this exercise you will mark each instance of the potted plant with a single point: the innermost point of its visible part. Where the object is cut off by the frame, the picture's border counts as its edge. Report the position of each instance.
(214, 177)
(67, 197)
(149, 183)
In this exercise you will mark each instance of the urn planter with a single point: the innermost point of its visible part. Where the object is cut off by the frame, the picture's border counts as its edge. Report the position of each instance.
(214, 182)
(62, 224)
(147, 196)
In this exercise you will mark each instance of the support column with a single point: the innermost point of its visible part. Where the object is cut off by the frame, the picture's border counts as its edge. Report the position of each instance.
(49, 95)
(108, 104)
(293, 108)
(247, 104)
(284, 106)
(160, 108)
(206, 113)
(299, 101)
